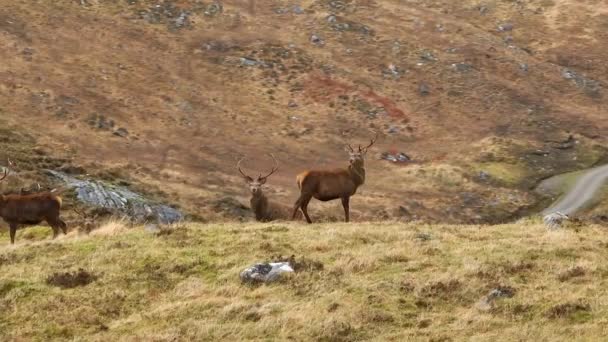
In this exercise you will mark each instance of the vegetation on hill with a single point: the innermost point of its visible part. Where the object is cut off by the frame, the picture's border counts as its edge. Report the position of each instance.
(367, 281)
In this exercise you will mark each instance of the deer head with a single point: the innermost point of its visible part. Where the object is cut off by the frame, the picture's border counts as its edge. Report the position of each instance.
(255, 184)
(358, 156)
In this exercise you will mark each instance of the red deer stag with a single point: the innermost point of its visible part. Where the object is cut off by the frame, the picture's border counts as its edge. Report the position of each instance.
(327, 185)
(31, 209)
(264, 209)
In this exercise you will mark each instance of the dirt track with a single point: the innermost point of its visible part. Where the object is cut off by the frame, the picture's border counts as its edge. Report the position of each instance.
(583, 191)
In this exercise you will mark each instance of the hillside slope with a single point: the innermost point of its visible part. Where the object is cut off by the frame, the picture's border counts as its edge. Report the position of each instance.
(482, 96)
(380, 281)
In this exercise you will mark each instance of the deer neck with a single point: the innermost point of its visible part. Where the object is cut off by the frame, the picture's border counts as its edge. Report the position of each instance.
(357, 172)
(259, 203)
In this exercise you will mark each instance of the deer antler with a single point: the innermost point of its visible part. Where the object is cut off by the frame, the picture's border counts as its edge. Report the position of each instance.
(373, 141)
(6, 169)
(238, 166)
(275, 167)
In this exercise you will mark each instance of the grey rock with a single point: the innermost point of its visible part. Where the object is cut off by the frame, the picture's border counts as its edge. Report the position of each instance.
(213, 9)
(554, 221)
(248, 62)
(119, 200)
(121, 132)
(462, 67)
(316, 40)
(524, 67)
(589, 86)
(483, 175)
(297, 9)
(505, 27)
(265, 272)
(396, 158)
(392, 71)
(428, 56)
(424, 89)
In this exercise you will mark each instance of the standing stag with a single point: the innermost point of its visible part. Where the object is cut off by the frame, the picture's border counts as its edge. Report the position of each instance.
(264, 209)
(31, 209)
(327, 185)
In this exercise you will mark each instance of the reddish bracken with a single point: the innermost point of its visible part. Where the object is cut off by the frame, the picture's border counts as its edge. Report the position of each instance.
(327, 185)
(31, 209)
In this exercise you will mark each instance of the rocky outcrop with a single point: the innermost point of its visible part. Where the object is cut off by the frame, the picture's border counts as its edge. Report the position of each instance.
(118, 200)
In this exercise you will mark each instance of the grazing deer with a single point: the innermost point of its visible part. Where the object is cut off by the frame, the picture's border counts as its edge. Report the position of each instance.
(264, 209)
(31, 209)
(327, 185)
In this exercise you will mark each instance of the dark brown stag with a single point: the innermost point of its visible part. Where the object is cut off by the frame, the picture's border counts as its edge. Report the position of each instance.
(264, 209)
(327, 185)
(31, 209)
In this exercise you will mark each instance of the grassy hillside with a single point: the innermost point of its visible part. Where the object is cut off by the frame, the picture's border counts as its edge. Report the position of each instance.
(483, 96)
(381, 281)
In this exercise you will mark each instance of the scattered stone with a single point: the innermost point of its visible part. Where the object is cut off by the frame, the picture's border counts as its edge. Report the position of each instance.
(338, 5)
(248, 62)
(316, 40)
(265, 273)
(292, 104)
(423, 89)
(181, 21)
(213, 9)
(393, 130)
(462, 67)
(100, 121)
(508, 39)
(484, 176)
(555, 220)
(505, 27)
(428, 56)
(391, 71)
(331, 18)
(396, 158)
(589, 86)
(297, 9)
(482, 10)
(523, 67)
(121, 132)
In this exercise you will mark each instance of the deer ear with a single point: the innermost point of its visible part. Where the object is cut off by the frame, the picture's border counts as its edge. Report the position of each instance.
(262, 180)
(248, 179)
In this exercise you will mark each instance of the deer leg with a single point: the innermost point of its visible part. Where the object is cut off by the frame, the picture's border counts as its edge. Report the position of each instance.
(304, 207)
(13, 230)
(63, 226)
(296, 207)
(57, 224)
(345, 204)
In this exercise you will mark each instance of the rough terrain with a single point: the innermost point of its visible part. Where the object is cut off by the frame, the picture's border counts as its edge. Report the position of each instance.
(383, 281)
(487, 98)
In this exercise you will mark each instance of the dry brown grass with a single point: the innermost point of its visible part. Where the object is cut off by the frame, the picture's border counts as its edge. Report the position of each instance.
(380, 281)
